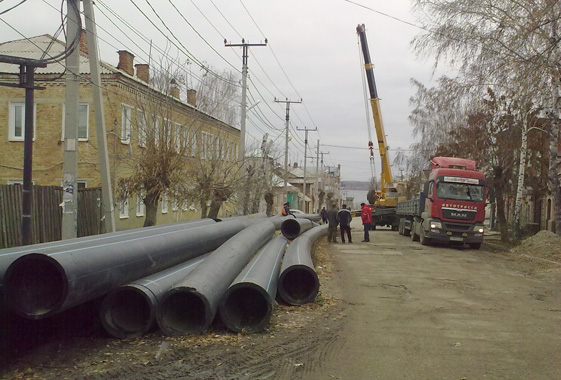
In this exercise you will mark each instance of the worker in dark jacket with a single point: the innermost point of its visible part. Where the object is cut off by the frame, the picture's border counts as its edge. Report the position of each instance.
(323, 214)
(344, 217)
(332, 224)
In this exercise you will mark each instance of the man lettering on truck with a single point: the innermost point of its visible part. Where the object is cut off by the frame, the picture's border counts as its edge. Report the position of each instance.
(366, 216)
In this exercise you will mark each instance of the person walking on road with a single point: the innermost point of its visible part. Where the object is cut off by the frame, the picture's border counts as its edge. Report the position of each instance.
(344, 217)
(366, 216)
(332, 224)
(323, 214)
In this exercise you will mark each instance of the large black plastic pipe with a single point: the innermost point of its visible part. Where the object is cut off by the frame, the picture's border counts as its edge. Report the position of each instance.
(293, 227)
(9, 255)
(37, 285)
(130, 310)
(248, 303)
(298, 282)
(190, 306)
(312, 217)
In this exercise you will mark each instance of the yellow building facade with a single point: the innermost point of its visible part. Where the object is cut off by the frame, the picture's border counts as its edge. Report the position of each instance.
(133, 108)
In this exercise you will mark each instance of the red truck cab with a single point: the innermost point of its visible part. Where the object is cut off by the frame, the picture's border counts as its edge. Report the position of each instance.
(455, 202)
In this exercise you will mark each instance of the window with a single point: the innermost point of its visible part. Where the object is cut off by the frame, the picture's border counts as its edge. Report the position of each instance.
(124, 208)
(18, 182)
(459, 191)
(140, 207)
(167, 132)
(16, 120)
(174, 204)
(83, 121)
(203, 144)
(141, 126)
(82, 184)
(156, 130)
(186, 142)
(164, 203)
(194, 144)
(177, 137)
(126, 117)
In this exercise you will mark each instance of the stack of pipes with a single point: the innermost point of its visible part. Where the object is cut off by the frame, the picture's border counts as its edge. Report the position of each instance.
(180, 275)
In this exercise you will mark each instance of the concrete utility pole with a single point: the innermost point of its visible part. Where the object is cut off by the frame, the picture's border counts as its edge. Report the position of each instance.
(106, 191)
(69, 181)
(287, 118)
(305, 159)
(317, 177)
(245, 46)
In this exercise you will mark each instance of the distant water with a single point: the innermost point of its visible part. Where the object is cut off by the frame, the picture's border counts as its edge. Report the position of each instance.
(359, 197)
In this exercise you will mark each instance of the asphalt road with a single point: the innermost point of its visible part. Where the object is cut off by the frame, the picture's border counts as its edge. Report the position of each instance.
(416, 312)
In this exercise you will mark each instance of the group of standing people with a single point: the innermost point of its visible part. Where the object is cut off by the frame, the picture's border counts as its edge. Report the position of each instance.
(343, 218)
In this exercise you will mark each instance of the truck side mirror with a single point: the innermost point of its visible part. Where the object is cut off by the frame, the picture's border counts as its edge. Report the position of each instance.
(426, 189)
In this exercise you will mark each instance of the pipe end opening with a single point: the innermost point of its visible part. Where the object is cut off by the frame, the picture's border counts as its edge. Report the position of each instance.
(183, 312)
(298, 285)
(127, 313)
(246, 308)
(35, 285)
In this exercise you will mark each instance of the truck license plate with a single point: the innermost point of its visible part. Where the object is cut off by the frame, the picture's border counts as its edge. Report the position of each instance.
(456, 238)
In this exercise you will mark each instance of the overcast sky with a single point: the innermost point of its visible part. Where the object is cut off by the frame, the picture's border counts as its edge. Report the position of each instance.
(312, 54)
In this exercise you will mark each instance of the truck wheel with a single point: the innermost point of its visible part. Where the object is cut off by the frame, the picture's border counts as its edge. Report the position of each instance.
(475, 245)
(414, 236)
(406, 231)
(424, 240)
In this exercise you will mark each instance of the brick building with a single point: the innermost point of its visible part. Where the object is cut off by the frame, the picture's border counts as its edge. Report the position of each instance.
(131, 104)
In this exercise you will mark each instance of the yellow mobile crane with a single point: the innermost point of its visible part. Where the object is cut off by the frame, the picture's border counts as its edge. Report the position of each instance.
(390, 192)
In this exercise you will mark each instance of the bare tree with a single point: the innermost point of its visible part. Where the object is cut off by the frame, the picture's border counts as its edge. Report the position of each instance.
(498, 41)
(219, 97)
(170, 138)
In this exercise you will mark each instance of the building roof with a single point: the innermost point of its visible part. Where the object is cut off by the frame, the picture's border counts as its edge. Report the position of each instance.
(44, 47)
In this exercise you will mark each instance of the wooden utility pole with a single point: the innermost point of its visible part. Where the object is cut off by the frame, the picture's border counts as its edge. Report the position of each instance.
(287, 119)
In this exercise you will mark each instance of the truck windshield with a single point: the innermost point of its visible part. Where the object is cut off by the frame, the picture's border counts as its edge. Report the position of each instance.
(459, 191)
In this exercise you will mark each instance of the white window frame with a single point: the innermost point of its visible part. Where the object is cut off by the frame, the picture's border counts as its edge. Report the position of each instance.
(126, 122)
(140, 207)
(11, 121)
(141, 128)
(12, 181)
(165, 198)
(124, 208)
(156, 128)
(177, 136)
(194, 146)
(174, 204)
(87, 105)
(186, 141)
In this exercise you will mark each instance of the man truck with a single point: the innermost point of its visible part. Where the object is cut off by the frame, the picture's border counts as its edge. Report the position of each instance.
(451, 207)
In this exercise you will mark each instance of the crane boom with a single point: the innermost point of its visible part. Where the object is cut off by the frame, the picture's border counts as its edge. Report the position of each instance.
(386, 174)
